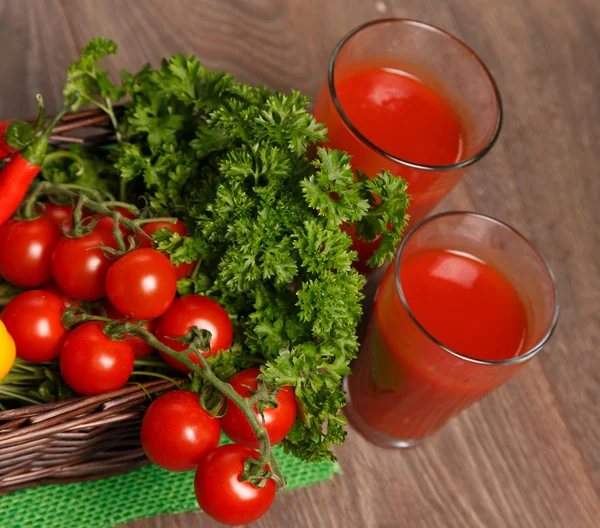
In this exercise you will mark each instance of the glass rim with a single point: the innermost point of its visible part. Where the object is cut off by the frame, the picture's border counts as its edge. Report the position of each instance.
(521, 358)
(413, 165)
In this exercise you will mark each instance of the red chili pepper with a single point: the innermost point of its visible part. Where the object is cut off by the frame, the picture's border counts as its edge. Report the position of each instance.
(20, 171)
(16, 135)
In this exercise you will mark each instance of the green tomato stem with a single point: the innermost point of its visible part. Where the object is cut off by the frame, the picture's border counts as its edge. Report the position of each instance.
(144, 221)
(50, 189)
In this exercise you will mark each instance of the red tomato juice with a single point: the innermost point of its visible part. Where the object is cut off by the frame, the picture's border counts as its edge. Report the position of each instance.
(402, 115)
(404, 384)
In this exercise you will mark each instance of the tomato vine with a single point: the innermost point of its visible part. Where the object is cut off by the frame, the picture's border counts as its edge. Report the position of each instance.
(199, 340)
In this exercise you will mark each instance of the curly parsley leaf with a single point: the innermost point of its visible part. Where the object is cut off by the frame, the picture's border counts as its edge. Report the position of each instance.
(332, 191)
(386, 215)
(90, 83)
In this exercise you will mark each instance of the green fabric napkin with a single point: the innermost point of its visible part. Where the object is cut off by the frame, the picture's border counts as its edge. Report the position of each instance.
(145, 492)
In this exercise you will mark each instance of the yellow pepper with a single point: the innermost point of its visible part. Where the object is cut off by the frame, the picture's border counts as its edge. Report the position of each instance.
(7, 351)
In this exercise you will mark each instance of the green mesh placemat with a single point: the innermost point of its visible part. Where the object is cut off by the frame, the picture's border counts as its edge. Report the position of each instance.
(145, 492)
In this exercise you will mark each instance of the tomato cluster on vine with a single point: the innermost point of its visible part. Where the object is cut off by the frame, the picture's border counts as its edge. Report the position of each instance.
(177, 434)
(61, 270)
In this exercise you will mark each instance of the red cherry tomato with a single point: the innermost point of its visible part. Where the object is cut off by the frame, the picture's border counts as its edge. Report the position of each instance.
(277, 421)
(33, 319)
(91, 363)
(177, 433)
(138, 345)
(151, 227)
(54, 288)
(142, 284)
(221, 492)
(60, 215)
(26, 251)
(79, 266)
(189, 311)
(364, 249)
(184, 269)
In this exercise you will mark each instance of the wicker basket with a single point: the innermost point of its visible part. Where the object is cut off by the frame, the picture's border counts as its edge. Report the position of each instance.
(82, 438)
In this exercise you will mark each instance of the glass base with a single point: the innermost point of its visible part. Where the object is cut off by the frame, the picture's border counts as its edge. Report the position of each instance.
(369, 433)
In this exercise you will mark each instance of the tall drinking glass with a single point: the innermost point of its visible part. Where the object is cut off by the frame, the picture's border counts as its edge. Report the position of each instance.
(466, 304)
(410, 98)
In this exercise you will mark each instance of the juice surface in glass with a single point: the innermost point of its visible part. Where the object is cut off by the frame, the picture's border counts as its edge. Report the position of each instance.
(409, 389)
(401, 114)
(404, 116)
(465, 303)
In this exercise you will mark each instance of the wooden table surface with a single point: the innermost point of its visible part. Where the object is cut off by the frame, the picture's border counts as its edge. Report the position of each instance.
(529, 455)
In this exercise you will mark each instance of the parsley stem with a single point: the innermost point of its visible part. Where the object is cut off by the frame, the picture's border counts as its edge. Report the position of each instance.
(17, 396)
(122, 190)
(196, 269)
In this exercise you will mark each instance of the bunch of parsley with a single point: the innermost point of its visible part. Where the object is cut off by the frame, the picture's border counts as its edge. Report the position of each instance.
(264, 206)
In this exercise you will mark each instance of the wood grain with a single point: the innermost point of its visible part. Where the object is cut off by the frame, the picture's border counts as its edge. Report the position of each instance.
(527, 456)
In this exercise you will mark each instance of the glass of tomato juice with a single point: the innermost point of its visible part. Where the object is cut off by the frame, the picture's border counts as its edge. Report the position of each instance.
(410, 98)
(467, 302)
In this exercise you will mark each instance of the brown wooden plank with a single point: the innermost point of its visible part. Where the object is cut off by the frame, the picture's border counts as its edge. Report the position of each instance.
(528, 454)
(37, 47)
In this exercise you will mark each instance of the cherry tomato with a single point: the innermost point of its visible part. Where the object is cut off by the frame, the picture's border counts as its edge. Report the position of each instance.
(142, 284)
(277, 421)
(54, 288)
(91, 363)
(189, 311)
(151, 227)
(223, 495)
(177, 433)
(60, 215)
(33, 319)
(26, 251)
(79, 266)
(184, 269)
(7, 351)
(364, 249)
(138, 345)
